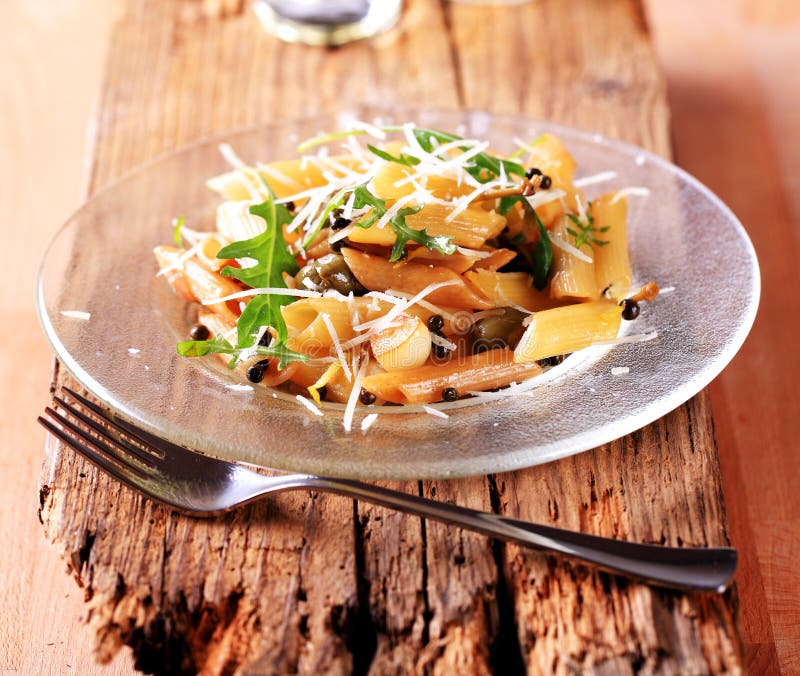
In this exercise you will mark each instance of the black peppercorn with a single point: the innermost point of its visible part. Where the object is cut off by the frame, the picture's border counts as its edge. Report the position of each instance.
(630, 309)
(435, 323)
(340, 223)
(199, 332)
(533, 171)
(555, 360)
(366, 398)
(546, 183)
(290, 206)
(255, 374)
(440, 351)
(265, 340)
(449, 394)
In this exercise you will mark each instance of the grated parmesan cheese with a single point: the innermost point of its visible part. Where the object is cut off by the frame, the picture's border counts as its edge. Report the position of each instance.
(430, 410)
(309, 405)
(382, 322)
(242, 388)
(352, 400)
(566, 246)
(638, 191)
(326, 319)
(594, 178)
(368, 421)
(76, 314)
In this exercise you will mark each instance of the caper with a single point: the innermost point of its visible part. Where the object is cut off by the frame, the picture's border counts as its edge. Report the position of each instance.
(309, 279)
(334, 271)
(501, 330)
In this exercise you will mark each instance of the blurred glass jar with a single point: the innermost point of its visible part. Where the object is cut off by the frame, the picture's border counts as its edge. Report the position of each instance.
(327, 23)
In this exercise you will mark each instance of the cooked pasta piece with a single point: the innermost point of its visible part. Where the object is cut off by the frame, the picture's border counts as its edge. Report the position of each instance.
(550, 156)
(510, 289)
(483, 371)
(235, 222)
(284, 177)
(457, 262)
(573, 273)
(393, 181)
(470, 228)
(196, 282)
(566, 329)
(611, 264)
(495, 260)
(458, 313)
(378, 274)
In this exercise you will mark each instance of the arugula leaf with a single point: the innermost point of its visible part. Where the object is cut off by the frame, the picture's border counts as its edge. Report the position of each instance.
(481, 162)
(407, 160)
(364, 198)
(405, 233)
(484, 166)
(272, 260)
(218, 345)
(542, 255)
(177, 226)
(506, 204)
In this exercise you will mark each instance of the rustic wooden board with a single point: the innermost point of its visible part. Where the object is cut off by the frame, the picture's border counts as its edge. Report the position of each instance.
(317, 583)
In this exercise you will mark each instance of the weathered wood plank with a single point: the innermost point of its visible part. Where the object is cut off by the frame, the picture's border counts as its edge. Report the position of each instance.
(314, 583)
(658, 485)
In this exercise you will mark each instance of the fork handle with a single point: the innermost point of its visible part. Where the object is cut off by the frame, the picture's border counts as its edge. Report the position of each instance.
(686, 568)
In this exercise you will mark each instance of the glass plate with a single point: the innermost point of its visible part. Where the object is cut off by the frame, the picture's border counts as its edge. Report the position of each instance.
(101, 263)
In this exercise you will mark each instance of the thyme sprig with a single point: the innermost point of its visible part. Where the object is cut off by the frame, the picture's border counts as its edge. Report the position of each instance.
(586, 229)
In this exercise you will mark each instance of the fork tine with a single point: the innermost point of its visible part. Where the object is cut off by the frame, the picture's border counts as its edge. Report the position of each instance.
(92, 455)
(141, 455)
(150, 440)
(105, 450)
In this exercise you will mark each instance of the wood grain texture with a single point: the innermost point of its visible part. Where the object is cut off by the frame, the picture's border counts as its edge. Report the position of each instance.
(312, 583)
(745, 77)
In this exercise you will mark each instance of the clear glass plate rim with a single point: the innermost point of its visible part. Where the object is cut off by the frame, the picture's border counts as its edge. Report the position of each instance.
(477, 464)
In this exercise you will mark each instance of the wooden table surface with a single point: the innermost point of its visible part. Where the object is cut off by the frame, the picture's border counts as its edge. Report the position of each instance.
(733, 124)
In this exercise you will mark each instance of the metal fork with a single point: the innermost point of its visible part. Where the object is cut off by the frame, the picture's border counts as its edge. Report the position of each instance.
(202, 486)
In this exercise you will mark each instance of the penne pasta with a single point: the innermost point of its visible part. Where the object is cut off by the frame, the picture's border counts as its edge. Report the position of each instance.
(195, 282)
(566, 329)
(405, 274)
(284, 177)
(510, 289)
(470, 228)
(573, 274)
(483, 371)
(393, 181)
(378, 274)
(612, 266)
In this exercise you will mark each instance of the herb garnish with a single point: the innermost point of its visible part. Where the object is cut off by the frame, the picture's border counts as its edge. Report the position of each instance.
(177, 228)
(219, 345)
(542, 255)
(404, 233)
(408, 160)
(483, 167)
(272, 259)
(586, 230)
